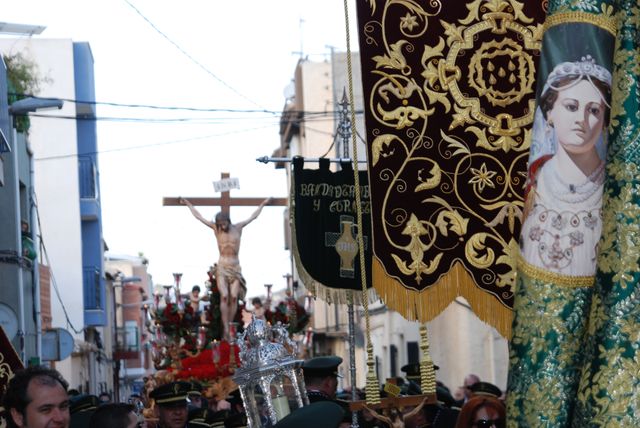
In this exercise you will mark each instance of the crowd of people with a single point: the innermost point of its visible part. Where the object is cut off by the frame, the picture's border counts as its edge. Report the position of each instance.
(39, 397)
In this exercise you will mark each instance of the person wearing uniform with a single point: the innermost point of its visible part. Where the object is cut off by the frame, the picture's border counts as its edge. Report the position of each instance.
(196, 400)
(321, 381)
(81, 408)
(171, 404)
(205, 418)
(321, 414)
(321, 378)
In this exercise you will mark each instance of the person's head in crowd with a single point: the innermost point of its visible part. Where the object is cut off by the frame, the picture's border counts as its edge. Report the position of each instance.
(321, 375)
(235, 401)
(482, 411)
(36, 397)
(114, 415)
(195, 395)
(81, 408)
(171, 404)
(104, 397)
(256, 302)
(136, 400)
(73, 392)
(485, 388)
(195, 292)
(469, 380)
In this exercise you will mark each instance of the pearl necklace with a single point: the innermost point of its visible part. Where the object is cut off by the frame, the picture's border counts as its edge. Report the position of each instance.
(569, 192)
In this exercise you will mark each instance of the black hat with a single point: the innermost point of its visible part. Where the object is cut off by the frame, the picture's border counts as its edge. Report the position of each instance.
(412, 370)
(238, 420)
(485, 388)
(322, 366)
(171, 394)
(83, 403)
(195, 388)
(81, 407)
(234, 397)
(205, 418)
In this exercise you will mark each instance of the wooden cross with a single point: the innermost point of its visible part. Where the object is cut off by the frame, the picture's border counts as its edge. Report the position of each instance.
(225, 201)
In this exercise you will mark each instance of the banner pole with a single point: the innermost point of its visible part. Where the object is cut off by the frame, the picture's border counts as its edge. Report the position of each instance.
(352, 359)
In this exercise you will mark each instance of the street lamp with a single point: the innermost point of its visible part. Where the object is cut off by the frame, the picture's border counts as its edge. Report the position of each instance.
(20, 108)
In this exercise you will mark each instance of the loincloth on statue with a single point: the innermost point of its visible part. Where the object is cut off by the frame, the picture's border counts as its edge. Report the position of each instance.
(232, 273)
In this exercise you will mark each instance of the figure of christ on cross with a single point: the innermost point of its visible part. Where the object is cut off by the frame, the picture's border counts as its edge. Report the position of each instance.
(230, 282)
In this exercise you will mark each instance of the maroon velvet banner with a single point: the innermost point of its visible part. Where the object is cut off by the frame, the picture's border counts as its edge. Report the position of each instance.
(449, 101)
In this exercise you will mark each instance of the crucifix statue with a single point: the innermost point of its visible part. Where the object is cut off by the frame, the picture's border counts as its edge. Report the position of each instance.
(230, 282)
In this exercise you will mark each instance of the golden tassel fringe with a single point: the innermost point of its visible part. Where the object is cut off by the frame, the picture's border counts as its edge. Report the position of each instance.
(372, 387)
(425, 305)
(427, 370)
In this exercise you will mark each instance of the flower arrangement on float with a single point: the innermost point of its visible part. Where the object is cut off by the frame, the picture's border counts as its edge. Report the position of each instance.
(188, 344)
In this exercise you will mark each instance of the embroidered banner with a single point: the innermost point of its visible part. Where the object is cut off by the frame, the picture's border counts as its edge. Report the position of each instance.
(9, 363)
(562, 221)
(609, 382)
(325, 231)
(449, 95)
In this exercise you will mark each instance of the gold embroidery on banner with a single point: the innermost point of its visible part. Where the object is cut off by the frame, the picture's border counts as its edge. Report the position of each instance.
(605, 21)
(553, 277)
(481, 74)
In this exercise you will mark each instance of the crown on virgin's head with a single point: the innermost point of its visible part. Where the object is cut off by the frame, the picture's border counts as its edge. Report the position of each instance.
(586, 67)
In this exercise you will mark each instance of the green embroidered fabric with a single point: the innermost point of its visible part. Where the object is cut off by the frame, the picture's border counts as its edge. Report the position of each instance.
(575, 351)
(609, 390)
(545, 352)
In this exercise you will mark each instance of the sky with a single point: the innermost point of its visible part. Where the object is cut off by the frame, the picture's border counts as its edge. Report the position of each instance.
(205, 54)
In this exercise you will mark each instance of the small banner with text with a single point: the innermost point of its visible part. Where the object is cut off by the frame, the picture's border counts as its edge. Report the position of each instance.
(325, 231)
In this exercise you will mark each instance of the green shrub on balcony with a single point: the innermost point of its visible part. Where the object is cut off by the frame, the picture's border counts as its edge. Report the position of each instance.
(23, 81)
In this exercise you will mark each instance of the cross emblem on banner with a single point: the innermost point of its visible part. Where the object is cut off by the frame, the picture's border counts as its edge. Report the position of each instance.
(346, 245)
(225, 201)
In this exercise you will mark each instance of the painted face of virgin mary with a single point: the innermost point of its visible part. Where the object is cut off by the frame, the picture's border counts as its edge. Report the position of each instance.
(578, 117)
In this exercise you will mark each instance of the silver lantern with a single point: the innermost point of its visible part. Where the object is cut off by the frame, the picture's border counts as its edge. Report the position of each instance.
(270, 377)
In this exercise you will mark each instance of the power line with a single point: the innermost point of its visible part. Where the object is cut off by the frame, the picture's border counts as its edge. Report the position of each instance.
(166, 143)
(182, 120)
(209, 72)
(150, 145)
(195, 109)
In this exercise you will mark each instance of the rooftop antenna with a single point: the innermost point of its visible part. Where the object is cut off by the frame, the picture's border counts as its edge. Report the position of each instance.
(301, 24)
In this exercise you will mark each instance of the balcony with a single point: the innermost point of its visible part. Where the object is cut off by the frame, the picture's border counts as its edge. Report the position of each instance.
(91, 288)
(127, 342)
(88, 187)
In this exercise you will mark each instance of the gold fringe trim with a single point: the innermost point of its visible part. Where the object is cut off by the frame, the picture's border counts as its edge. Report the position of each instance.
(372, 387)
(606, 22)
(330, 295)
(425, 305)
(427, 370)
(557, 279)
